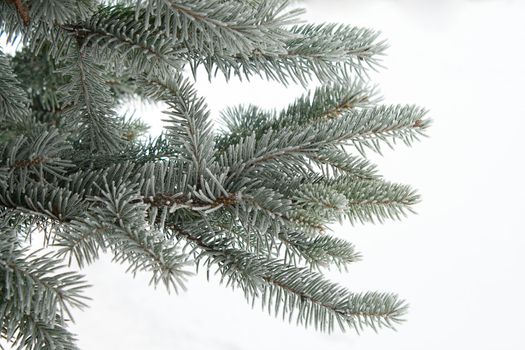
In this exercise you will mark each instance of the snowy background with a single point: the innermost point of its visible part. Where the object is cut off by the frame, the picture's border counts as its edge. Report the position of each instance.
(459, 262)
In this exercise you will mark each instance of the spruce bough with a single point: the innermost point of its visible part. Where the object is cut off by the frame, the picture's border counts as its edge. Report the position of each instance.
(251, 201)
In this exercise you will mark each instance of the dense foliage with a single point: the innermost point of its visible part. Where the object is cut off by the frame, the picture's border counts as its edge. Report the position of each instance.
(252, 200)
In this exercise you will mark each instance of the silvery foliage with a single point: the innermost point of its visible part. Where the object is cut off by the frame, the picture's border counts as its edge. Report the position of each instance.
(252, 201)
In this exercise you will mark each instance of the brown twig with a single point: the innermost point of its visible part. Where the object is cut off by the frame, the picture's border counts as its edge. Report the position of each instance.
(22, 10)
(29, 162)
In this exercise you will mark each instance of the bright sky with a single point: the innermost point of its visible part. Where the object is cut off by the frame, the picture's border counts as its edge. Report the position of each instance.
(459, 262)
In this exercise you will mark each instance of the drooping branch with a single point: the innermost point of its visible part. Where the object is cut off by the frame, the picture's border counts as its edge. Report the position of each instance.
(287, 288)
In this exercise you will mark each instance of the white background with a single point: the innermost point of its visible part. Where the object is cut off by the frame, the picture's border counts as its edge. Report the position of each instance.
(459, 262)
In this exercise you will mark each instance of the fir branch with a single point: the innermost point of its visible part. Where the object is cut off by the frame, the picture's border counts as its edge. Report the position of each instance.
(367, 127)
(37, 284)
(53, 12)
(90, 100)
(83, 239)
(369, 201)
(190, 129)
(13, 99)
(43, 200)
(140, 152)
(28, 333)
(118, 36)
(352, 48)
(327, 102)
(320, 251)
(263, 208)
(118, 214)
(144, 251)
(218, 26)
(87, 182)
(285, 288)
(34, 23)
(330, 107)
(251, 201)
(325, 52)
(319, 201)
(275, 148)
(240, 121)
(36, 156)
(334, 162)
(177, 201)
(387, 124)
(324, 103)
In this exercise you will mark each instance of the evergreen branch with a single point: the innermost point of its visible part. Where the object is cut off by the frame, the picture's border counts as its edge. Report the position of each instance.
(90, 99)
(87, 182)
(35, 22)
(54, 12)
(374, 200)
(262, 208)
(144, 251)
(81, 239)
(37, 285)
(117, 36)
(165, 188)
(250, 202)
(244, 235)
(318, 252)
(168, 189)
(123, 219)
(285, 289)
(132, 127)
(272, 149)
(39, 77)
(324, 103)
(325, 52)
(330, 107)
(36, 155)
(317, 197)
(190, 129)
(217, 26)
(28, 333)
(43, 200)
(367, 127)
(336, 49)
(139, 152)
(327, 102)
(117, 220)
(13, 99)
(318, 201)
(252, 205)
(178, 201)
(303, 220)
(333, 162)
(386, 124)
(308, 210)
(242, 120)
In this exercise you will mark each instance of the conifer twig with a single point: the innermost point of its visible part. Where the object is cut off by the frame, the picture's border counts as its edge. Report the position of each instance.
(22, 10)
